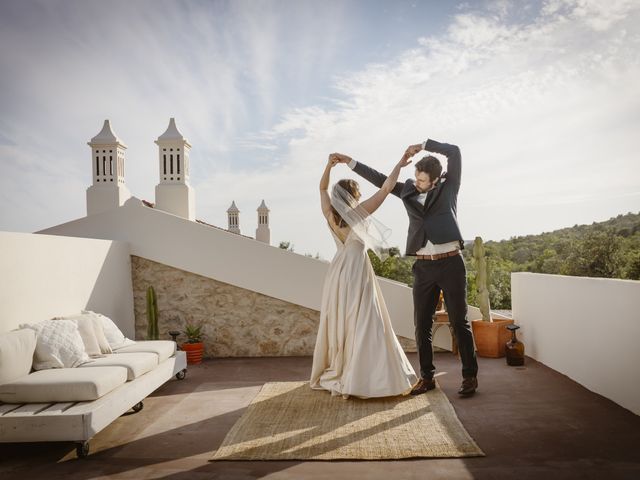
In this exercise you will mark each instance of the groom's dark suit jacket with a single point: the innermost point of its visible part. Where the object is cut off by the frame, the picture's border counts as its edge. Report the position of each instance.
(436, 220)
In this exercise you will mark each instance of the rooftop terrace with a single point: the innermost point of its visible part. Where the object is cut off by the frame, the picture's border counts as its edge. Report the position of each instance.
(530, 421)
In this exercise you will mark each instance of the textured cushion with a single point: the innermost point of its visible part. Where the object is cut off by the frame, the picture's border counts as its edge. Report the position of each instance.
(63, 385)
(90, 329)
(59, 344)
(163, 348)
(136, 363)
(114, 336)
(16, 354)
(86, 331)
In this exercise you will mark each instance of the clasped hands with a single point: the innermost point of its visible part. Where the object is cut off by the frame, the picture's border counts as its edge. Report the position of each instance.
(335, 158)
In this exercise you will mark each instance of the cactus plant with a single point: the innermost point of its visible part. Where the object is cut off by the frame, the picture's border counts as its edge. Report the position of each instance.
(152, 315)
(489, 335)
(482, 280)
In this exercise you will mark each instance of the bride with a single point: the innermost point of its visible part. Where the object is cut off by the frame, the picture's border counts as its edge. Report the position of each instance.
(356, 352)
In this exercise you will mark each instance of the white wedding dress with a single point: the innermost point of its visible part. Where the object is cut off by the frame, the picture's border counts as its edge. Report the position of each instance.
(357, 352)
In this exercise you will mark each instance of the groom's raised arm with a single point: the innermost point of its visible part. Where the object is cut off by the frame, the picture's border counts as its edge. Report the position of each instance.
(373, 176)
(454, 159)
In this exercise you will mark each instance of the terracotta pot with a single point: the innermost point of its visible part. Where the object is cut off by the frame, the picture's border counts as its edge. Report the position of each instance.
(491, 337)
(194, 352)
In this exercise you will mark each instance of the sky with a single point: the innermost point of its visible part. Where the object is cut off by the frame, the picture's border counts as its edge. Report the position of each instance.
(542, 97)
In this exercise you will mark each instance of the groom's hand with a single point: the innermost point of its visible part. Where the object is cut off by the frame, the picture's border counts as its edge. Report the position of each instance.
(413, 149)
(341, 158)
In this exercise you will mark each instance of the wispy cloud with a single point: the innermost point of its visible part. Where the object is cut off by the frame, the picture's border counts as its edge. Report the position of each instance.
(545, 110)
(542, 99)
(215, 66)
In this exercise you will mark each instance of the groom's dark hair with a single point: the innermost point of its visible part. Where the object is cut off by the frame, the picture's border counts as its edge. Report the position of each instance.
(430, 165)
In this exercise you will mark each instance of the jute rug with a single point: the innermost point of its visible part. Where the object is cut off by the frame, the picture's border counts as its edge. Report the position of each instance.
(290, 421)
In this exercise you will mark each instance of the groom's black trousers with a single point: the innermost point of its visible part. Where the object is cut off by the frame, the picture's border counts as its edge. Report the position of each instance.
(430, 277)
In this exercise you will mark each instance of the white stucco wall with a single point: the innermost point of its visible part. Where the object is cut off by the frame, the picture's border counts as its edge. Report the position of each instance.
(230, 258)
(46, 275)
(585, 328)
(101, 198)
(176, 198)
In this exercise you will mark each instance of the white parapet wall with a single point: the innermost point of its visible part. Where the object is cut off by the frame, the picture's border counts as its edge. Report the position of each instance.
(585, 328)
(46, 275)
(224, 256)
(233, 259)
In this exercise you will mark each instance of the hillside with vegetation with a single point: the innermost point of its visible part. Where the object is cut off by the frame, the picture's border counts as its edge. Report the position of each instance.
(609, 249)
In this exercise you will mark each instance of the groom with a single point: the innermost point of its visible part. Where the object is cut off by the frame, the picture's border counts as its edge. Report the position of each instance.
(435, 240)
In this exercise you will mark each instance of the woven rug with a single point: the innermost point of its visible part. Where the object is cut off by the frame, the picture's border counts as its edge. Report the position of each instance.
(290, 421)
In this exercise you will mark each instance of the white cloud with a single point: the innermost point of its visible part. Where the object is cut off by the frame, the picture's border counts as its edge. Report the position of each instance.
(545, 113)
(543, 104)
(69, 65)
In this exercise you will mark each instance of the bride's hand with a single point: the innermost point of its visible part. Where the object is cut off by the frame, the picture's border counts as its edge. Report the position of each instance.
(408, 153)
(413, 149)
(341, 158)
(405, 160)
(333, 160)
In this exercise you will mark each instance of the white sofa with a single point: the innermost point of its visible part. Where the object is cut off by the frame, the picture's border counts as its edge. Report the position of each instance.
(74, 404)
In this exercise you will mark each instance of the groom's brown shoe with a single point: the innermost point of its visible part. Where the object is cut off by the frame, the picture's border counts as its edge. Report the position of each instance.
(423, 385)
(469, 386)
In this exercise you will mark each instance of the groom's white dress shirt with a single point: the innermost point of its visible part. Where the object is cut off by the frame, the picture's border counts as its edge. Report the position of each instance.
(429, 248)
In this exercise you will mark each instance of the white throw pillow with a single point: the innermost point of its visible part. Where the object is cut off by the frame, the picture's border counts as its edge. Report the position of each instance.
(90, 328)
(86, 331)
(88, 334)
(59, 344)
(16, 354)
(114, 336)
(105, 347)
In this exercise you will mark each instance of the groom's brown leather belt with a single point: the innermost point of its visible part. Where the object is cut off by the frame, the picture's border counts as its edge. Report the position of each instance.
(438, 256)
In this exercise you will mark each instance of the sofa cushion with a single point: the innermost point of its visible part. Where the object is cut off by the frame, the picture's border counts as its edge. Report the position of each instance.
(136, 363)
(111, 331)
(163, 348)
(87, 333)
(91, 331)
(16, 354)
(59, 344)
(105, 346)
(63, 385)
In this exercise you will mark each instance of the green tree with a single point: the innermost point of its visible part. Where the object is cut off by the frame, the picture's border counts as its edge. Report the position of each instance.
(284, 245)
(631, 269)
(608, 249)
(596, 255)
(393, 266)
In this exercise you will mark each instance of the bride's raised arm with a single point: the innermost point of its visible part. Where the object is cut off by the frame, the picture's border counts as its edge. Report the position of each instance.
(325, 200)
(372, 203)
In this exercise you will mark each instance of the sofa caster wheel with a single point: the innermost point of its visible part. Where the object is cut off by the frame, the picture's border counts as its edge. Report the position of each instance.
(82, 449)
(138, 406)
(181, 374)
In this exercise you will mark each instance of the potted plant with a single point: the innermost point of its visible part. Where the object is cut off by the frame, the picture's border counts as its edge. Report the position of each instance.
(491, 335)
(193, 346)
